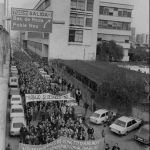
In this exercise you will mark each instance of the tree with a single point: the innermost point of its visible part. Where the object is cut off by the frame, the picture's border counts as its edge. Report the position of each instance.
(138, 54)
(115, 51)
(120, 92)
(109, 51)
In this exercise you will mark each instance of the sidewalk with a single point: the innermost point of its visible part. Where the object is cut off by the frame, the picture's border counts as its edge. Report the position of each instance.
(3, 105)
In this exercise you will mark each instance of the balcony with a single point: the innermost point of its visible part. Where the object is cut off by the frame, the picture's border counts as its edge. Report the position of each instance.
(115, 18)
(114, 32)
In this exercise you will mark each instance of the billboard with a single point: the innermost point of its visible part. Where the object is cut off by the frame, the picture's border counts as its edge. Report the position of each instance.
(31, 20)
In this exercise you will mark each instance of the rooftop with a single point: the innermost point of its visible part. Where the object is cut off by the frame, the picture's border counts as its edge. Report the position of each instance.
(98, 71)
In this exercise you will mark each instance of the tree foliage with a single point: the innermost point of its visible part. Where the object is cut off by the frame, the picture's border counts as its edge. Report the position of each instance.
(120, 92)
(109, 51)
(138, 54)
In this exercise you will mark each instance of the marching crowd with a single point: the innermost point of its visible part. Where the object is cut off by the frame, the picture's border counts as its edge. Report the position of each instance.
(51, 119)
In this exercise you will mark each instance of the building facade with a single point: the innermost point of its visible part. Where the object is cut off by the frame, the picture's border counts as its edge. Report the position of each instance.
(78, 25)
(142, 39)
(1, 13)
(74, 30)
(133, 35)
(114, 23)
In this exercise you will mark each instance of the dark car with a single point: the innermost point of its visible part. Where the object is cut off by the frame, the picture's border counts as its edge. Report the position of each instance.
(143, 135)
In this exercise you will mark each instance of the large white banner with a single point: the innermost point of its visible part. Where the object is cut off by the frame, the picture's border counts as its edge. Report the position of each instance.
(48, 97)
(64, 143)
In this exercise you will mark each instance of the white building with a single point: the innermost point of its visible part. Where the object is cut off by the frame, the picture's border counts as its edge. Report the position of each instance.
(78, 24)
(115, 17)
(74, 30)
(1, 13)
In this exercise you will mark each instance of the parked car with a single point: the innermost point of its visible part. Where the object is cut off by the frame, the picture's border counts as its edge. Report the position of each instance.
(16, 111)
(100, 116)
(16, 100)
(14, 91)
(124, 125)
(14, 70)
(143, 135)
(13, 81)
(16, 124)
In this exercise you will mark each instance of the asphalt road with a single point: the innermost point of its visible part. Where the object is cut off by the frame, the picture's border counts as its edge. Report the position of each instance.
(125, 142)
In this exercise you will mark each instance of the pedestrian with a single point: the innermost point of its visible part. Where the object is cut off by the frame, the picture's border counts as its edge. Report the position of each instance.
(107, 147)
(104, 132)
(116, 147)
(8, 147)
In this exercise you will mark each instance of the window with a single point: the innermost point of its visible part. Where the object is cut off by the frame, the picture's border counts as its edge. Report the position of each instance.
(114, 25)
(90, 4)
(73, 4)
(126, 41)
(88, 22)
(129, 14)
(124, 13)
(106, 11)
(133, 122)
(75, 36)
(129, 124)
(17, 125)
(103, 115)
(101, 10)
(99, 39)
(76, 20)
(80, 21)
(120, 13)
(46, 35)
(73, 20)
(115, 9)
(81, 4)
(110, 13)
(78, 36)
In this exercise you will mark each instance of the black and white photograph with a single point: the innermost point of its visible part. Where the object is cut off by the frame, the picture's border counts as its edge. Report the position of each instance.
(74, 75)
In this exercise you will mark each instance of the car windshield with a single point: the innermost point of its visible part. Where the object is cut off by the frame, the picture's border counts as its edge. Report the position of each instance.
(17, 125)
(17, 110)
(16, 99)
(120, 123)
(96, 115)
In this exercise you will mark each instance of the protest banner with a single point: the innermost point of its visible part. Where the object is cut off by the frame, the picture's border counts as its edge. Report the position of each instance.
(48, 97)
(64, 143)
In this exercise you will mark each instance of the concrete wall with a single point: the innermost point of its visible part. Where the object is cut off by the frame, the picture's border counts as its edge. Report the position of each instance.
(1, 13)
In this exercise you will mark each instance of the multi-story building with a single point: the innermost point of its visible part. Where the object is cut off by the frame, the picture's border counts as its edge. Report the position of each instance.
(1, 13)
(78, 24)
(133, 36)
(142, 39)
(114, 23)
(74, 30)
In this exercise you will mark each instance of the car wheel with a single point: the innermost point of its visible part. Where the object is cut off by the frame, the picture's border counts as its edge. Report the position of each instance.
(126, 133)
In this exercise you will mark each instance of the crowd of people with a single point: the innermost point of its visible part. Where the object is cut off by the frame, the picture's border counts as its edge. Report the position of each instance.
(47, 121)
